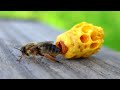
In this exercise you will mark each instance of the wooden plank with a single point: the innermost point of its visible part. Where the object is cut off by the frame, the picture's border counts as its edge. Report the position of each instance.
(87, 69)
(52, 67)
(105, 64)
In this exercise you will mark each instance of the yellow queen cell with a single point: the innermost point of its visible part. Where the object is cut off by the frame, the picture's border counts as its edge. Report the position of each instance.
(82, 40)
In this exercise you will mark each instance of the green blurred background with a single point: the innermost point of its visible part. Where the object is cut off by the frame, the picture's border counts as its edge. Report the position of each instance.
(64, 20)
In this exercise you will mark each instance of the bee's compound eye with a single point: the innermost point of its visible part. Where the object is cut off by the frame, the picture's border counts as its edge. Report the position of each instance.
(23, 49)
(27, 54)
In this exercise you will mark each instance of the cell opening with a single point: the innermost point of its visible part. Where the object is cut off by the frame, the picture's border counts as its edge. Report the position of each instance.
(79, 25)
(94, 35)
(86, 46)
(62, 47)
(93, 45)
(84, 38)
(85, 29)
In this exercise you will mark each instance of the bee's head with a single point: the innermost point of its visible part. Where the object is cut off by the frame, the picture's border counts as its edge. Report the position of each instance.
(23, 50)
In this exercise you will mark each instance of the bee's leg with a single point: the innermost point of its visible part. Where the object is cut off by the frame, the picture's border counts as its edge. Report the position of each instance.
(23, 55)
(50, 57)
(34, 59)
(20, 58)
(41, 57)
(34, 56)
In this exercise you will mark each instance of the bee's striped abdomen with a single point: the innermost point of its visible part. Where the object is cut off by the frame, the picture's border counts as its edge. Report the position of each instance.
(55, 49)
(51, 49)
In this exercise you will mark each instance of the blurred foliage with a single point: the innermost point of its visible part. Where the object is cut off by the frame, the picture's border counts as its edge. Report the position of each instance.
(64, 20)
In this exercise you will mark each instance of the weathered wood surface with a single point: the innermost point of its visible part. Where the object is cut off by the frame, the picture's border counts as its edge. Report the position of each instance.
(103, 65)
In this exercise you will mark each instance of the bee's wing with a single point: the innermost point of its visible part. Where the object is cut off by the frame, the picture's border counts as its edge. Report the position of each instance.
(51, 42)
(45, 42)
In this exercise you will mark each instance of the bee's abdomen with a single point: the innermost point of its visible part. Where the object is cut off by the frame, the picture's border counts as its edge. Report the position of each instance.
(52, 49)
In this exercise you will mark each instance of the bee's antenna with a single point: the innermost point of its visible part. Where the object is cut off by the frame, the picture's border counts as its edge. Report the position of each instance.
(17, 48)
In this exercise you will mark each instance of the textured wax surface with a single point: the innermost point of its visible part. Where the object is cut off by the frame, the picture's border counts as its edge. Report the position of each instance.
(82, 40)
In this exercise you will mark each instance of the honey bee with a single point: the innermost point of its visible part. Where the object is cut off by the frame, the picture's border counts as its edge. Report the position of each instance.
(44, 49)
